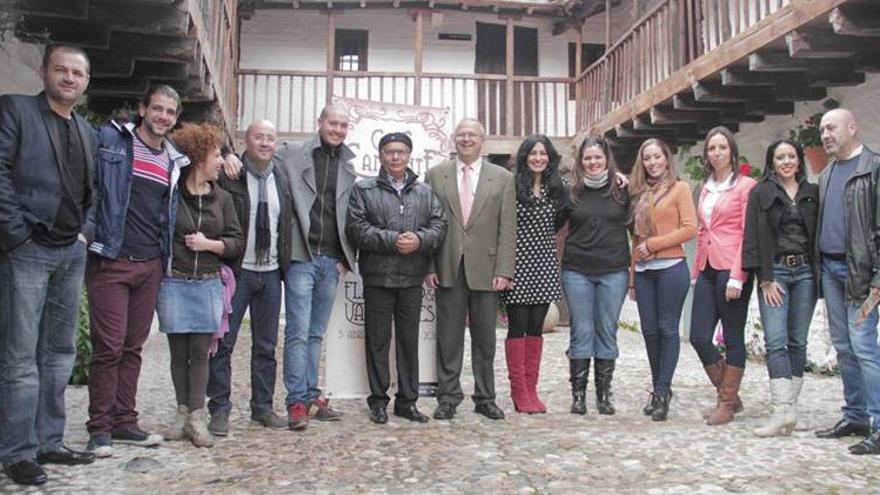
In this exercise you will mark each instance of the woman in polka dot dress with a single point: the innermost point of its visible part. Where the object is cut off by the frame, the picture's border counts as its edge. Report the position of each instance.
(540, 209)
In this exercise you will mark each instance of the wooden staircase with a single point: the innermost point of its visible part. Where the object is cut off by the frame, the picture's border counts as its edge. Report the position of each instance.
(689, 65)
(190, 44)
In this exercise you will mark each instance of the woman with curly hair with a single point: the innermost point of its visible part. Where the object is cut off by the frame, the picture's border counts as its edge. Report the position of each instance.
(191, 298)
(540, 212)
(595, 268)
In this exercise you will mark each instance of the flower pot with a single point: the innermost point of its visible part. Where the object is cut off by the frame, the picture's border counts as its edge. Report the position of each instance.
(816, 158)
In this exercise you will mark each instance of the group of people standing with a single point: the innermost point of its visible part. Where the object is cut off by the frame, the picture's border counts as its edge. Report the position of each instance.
(159, 217)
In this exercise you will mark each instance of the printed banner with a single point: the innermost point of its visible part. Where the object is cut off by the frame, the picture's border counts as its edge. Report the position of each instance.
(430, 130)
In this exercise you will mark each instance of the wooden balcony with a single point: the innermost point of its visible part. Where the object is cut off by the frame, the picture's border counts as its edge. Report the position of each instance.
(688, 65)
(191, 45)
(293, 99)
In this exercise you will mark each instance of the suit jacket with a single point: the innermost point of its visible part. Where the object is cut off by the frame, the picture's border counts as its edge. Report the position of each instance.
(30, 170)
(300, 168)
(487, 244)
(720, 241)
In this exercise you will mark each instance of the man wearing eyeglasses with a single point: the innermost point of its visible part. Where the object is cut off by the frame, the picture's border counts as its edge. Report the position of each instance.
(397, 224)
(473, 264)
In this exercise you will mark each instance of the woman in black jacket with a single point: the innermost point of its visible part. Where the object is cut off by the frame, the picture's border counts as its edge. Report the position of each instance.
(779, 239)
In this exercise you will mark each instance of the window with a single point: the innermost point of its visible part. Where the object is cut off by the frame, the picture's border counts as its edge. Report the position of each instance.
(351, 49)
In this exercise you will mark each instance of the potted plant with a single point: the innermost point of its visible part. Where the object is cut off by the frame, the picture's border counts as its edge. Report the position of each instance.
(809, 137)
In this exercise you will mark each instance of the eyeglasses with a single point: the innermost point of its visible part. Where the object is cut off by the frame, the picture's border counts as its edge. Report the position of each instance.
(395, 153)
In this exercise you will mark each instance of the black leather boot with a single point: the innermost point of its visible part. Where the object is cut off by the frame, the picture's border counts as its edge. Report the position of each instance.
(604, 374)
(579, 370)
(662, 409)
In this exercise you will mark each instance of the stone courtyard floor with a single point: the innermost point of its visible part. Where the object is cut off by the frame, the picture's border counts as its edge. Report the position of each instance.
(551, 453)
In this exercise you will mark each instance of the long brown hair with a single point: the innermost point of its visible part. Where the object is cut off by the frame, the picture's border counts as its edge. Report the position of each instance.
(734, 151)
(638, 178)
(578, 174)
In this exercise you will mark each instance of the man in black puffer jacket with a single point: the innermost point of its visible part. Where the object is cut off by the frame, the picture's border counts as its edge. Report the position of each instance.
(396, 223)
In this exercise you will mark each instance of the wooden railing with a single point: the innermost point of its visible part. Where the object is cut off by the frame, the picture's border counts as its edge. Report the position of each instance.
(293, 99)
(667, 38)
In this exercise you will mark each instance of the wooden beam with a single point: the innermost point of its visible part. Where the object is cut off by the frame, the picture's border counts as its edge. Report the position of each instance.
(509, 86)
(770, 107)
(769, 61)
(667, 117)
(741, 76)
(607, 25)
(331, 54)
(713, 92)
(419, 55)
(824, 44)
(856, 20)
(791, 16)
(578, 89)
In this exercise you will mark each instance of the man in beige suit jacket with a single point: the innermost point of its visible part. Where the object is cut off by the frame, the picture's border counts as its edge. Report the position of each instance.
(473, 264)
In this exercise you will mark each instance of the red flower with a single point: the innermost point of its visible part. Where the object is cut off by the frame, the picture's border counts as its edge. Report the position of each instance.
(745, 169)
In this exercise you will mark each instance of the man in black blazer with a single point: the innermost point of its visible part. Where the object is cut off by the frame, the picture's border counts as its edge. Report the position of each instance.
(46, 169)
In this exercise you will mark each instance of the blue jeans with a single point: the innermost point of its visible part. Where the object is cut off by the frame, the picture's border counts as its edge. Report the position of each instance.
(39, 300)
(708, 307)
(309, 293)
(261, 291)
(786, 327)
(594, 303)
(660, 296)
(858, 353)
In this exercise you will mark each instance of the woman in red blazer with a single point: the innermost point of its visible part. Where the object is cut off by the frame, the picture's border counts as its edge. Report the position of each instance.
(722, 289)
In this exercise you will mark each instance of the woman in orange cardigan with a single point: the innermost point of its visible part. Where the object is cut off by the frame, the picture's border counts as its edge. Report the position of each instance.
(722, 289)
(663, 219)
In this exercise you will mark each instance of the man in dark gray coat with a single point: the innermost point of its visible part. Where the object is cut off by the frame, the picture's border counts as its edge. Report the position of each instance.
(321, 177)
(46, 169)
(397, 223)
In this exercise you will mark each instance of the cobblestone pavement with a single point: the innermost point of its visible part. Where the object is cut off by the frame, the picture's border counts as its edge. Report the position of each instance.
(551, 453)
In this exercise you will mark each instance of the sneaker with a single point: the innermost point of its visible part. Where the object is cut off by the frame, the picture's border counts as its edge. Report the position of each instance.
(100, 445)
(132, 435)
(324, 412)
(297, 416)
(271, 420)
(219, 424)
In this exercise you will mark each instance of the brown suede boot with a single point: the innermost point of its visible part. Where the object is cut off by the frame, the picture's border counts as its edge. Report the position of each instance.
(727, 393)
(715, 371)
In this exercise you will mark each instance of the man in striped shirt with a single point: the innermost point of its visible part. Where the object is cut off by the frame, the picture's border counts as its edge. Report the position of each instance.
(137, 175)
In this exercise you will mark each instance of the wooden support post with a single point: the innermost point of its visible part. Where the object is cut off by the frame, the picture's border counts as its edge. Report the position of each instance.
(509, 88)
(578, 91)
(331, 54)
(419, 50)
(607, 25)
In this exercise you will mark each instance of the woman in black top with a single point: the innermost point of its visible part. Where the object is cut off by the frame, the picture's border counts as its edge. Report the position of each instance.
(595, 267)
(779, 238)
(540, 200)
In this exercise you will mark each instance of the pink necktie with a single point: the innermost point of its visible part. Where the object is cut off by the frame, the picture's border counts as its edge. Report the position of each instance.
(465, 193)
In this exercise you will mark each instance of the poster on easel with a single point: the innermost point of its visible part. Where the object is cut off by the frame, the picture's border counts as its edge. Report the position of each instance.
(430, 131)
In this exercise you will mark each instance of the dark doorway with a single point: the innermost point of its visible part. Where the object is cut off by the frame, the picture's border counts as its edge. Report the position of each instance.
(491, 58)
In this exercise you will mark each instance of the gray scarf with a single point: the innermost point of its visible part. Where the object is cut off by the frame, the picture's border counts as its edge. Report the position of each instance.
(596, 181)
(261, 227)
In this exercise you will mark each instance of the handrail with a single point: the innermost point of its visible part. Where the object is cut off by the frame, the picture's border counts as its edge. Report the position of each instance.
(667, 38)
